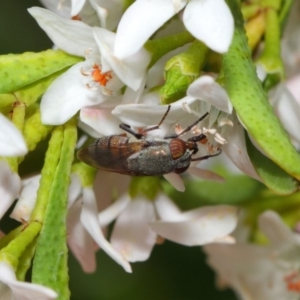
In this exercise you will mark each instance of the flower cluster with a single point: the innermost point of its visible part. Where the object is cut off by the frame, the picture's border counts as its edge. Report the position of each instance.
(181, 79)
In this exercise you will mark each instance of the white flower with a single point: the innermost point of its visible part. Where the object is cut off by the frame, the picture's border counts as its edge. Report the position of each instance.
(88, 83)
(12, 142)
(221, 127)
(290, 45)
(92, 12)
(261, 272)
(209, 21)
(140, 221)
(11, 288)
(10, 185)
(286, 103)
(26, 202)
(85, 235)
(85, 232)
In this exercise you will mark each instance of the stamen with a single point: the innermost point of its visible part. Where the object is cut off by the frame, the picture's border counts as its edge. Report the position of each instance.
(107, 92)
(76, 18)
(225, 121)
(85, 73)
(97, 79)
(88, 52)
(92, 86)
(178, 129)
(219, 139)
(196, 130)
(60, 4)
(293, 282)
(211, 131)
(186, 107)
(101, 78)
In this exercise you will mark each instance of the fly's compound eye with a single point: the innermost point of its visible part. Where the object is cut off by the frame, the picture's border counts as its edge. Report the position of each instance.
(177, 148)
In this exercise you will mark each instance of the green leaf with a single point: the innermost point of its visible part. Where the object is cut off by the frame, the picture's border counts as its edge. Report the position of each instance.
(251, 102)
(19, 70)
(271, 174)
(50, 262)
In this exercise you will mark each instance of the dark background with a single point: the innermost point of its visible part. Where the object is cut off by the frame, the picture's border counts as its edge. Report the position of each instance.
(173, 271)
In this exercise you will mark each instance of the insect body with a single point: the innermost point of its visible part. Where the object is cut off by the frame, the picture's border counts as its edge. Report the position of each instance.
(143, 156)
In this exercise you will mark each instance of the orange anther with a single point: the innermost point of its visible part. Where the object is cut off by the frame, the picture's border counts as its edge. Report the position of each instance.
(101, 78)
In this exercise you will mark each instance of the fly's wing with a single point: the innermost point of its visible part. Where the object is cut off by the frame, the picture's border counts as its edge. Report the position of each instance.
(110, 157)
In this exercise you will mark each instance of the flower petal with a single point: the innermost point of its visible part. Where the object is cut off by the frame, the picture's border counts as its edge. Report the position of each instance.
(74, 189)
(23, 290)
(247, 269)
(109, 186)
(12, 142)
(59, 104)
(89, 219)
(207, 89)
(10, 185)
(140, 21)
(210, 22)
(287, 108)
(132, 235)
(71, 36)
(236, 150)
(76, 7)
(274, 228)
(199, 226)
(131, 70)
(293, 85)
(79, 240)
(113, 11)
(176, 181)
(63, 11)
(109, 214)
(166, 209)
(101, 120)
(140, 115)
(205, 174)
(22, 210)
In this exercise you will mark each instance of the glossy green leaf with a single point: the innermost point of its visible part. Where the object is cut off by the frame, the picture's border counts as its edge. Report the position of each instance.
(19, 70)
(251, 102)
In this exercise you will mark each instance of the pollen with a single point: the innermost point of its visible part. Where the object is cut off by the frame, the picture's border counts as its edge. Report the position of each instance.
(76, 18)
(98, 76)
(293, 282)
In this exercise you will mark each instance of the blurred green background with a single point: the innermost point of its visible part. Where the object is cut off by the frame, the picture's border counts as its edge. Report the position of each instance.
(172, 272)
